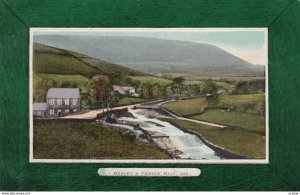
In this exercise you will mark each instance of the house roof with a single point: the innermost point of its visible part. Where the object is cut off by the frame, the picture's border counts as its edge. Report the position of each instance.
(127, 88)
(39, 106)
(118, 89)
(63, 93)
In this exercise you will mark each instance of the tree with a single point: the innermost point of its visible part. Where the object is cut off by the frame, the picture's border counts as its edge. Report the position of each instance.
(99, 89)
(178, 80)
(168, 90)
(129, 81)
(210, 89)
(155, 90)
(41, 89)
(250, 87)
(116, 78)
(175, 88)
(67, 84)
(147, 90)
(112, 99)
(162, 91)
(194, 89)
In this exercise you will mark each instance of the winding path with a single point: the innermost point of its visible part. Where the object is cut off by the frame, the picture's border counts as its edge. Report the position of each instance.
(148, 105)
(193, 120)
(93, 113)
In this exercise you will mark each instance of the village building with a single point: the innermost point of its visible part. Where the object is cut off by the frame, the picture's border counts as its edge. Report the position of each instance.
(126, 91)
(62, 101)
(39, 110)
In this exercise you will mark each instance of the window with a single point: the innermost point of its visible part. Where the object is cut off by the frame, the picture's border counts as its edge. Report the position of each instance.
(51, 111)
(59, 101)
(67, 102)
(74, 101)
(74, 110)
(67, 110)
(51, 101)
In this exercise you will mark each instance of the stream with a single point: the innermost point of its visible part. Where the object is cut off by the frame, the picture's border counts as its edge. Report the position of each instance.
(169, 137)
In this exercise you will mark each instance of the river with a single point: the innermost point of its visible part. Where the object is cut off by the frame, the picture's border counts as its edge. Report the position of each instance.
(188, 145)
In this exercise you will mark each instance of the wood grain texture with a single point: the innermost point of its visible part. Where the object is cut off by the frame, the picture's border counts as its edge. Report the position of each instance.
(147, 13)
(282, 18)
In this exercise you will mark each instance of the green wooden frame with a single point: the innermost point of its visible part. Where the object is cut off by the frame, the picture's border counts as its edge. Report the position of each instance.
(280, 17)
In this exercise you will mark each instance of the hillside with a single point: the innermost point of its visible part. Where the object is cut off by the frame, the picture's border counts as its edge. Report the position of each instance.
(50, 60)
(156, 55)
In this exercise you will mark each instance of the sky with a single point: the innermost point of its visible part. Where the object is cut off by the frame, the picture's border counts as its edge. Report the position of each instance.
(248, 44)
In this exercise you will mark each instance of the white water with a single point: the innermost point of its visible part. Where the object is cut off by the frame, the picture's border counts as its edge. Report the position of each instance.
(191, 146)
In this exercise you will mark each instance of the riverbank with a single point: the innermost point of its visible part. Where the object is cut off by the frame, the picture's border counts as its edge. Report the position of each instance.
(225, 154)
(178, 143)
(243, 143)
(90, 140)
(160, 140)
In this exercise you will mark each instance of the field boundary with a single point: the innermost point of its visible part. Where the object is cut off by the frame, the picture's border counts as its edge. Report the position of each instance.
(219, 150)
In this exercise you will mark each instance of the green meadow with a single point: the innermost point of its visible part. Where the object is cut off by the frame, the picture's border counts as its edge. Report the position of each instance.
(251, 122)
(244, 143)
(250, 103)
(90, 141)
(79, 80)
(151, 80)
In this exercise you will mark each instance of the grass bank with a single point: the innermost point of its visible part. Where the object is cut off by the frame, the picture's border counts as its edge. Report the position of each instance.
(89, 141)
(250, 103)
(244, 143)
(251, 122)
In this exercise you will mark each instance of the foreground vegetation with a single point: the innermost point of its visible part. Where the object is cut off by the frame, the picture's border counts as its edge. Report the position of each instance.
(89, 141)
(250, 103)
(244, 143)
(251, 122)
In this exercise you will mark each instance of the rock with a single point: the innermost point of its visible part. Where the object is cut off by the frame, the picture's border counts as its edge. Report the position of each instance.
(110, 119)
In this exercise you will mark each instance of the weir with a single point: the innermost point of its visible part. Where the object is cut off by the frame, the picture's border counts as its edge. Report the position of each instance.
(185, 145)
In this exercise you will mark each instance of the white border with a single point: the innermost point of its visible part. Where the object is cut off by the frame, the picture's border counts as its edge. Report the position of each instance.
(145, 161)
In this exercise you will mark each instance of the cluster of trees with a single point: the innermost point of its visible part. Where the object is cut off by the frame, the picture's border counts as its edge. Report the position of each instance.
(100, 90)
(161, 90)
(42, 87)
(249, 87)
(211, 90)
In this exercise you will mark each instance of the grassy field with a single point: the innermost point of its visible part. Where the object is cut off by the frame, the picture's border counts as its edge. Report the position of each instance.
(252, 122)
(220, 84)
(250, 103)
(50, 60)
(244, 143)
(89, 141)
(151, 80)
(186, 107)
(130, 100)
(190, 77)
(79, 80)
(51, 63)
